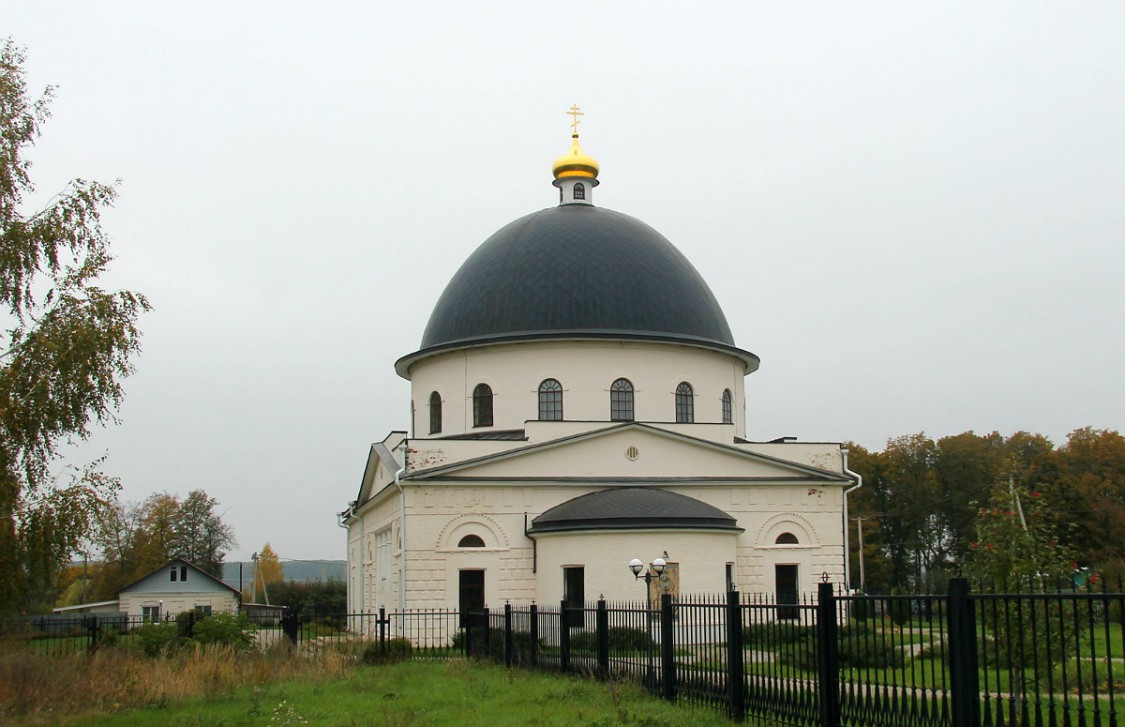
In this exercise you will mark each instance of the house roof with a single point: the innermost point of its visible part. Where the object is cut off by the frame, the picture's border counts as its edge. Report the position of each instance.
(181, 561)
(633, 508)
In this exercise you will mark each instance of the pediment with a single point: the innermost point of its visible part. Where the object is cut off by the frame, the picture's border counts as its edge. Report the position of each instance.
(632, 452)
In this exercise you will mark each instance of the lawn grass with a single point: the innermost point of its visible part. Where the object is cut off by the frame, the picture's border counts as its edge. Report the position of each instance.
(435, 694)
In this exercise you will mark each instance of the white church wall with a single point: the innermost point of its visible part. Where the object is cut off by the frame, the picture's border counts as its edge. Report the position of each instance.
(604, 555)
(822, 455)
(585, 369)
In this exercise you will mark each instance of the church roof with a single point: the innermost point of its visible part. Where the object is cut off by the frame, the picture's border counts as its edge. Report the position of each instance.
(576, 272)
(633, 508)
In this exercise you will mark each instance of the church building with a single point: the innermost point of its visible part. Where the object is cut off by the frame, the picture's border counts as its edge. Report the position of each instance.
(578, 401)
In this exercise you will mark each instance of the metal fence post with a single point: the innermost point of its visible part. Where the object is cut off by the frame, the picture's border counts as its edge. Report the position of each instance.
(486, 620)
(601, 628)
(508, 635)
(964, 682)
(736, 687)
(828, 656)
(564, 636)
(667, 648)
(93, 631)
(533, 618)
(290, 625)
(382, 624)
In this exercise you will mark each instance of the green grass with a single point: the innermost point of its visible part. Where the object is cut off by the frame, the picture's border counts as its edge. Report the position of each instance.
(454, 693)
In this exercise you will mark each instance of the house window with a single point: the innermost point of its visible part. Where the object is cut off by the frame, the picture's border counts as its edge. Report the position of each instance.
(730, 577)
(621, 401)
(183, 573)
(482, 406)
(173, 574)
(580, 191)
(150, 614)
(786, 539)
(471, 541)
(685, 403)
(727, 418)
(550, 401)
(435, 413)
(203, 611)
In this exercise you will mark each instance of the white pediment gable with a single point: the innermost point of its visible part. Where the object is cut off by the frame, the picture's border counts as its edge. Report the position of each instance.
(631, 452)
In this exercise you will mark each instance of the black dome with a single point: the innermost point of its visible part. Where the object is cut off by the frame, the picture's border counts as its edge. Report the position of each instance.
(577, 271)
(633, 508)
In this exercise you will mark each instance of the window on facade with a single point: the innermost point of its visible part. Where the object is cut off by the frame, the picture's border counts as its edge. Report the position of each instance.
(727, 417)
(383, 554)
(580, 191)
(150, 613)
(173, 574)
(203, 611)
(183, 572)
(685, 403)
(621, 401)
(471, 541)
(482, 406)
(550, 401)
(786, 539)
(574, 594)
(435, 413)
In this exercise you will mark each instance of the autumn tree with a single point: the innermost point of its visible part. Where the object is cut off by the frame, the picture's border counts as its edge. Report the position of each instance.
(137, 538)
(199, 533)
(1091, 470)
(270, 568)
(67, 345)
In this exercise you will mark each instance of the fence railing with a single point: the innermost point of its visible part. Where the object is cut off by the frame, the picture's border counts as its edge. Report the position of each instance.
(961, 658)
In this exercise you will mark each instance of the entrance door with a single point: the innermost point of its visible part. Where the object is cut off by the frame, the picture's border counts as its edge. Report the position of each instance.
(786, 576)
(471, 589)
(574, 593)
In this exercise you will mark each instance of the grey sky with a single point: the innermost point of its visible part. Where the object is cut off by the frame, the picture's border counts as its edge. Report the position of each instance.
(912, 212)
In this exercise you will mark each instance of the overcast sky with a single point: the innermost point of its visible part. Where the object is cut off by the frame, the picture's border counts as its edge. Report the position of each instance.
(912, 212)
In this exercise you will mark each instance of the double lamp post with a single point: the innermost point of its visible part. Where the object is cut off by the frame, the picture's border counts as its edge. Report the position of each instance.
(655, 570)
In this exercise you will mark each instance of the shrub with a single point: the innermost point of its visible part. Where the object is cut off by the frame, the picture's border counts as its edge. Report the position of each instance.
(899, 609)
(773, 634)
(393, 650)
(859, 646)
(225, 629)
(861, 607)
(185, 624)
(521, 642)
(622, 638)
(158, 639)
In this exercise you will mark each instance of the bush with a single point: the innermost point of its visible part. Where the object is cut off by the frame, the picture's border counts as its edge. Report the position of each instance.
(390, 652)
(775, 633)
(899, 609)
(521, 642)
(159, 639)
(859, 646)
(225, 629)
(861, 607)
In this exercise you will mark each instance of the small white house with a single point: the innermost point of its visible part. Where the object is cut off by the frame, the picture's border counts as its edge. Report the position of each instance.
(176, 587)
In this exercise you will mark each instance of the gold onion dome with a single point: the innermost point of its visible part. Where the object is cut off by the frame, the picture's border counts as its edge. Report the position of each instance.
(575, 163)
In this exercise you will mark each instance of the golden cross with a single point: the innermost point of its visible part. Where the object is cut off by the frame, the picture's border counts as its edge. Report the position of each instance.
(575, 113)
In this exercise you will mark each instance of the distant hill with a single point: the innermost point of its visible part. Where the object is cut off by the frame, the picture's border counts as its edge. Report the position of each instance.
(321, 570)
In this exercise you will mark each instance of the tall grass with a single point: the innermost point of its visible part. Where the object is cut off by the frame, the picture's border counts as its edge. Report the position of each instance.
(35, 688)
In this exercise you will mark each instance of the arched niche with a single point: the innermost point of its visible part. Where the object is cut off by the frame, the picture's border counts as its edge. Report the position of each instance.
(462, 529)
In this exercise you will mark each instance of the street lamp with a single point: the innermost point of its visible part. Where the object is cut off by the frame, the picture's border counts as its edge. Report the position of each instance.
(657, 567)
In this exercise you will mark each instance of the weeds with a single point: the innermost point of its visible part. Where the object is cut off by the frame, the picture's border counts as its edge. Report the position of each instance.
(35, 688)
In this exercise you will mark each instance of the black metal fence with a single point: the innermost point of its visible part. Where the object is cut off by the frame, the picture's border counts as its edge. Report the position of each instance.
(961, 658)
